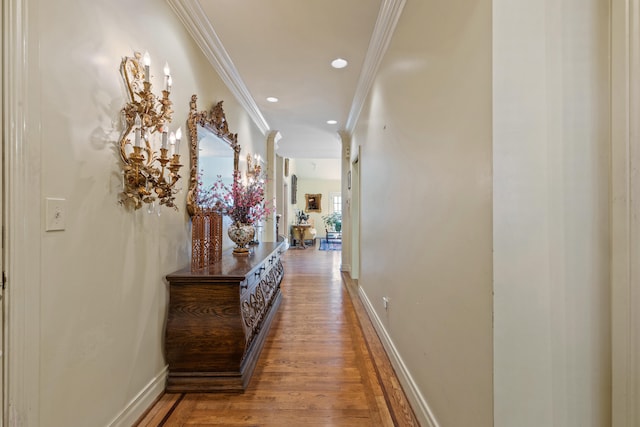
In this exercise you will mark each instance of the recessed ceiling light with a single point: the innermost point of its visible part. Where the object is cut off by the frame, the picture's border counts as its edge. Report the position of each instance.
(272, 99)
(331, 122)
(339, 63)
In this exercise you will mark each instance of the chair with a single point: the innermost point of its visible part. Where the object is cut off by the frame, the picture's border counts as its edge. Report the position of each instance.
(331, 235)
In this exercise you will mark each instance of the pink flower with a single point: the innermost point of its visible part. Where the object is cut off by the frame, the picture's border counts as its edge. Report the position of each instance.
(243, 203)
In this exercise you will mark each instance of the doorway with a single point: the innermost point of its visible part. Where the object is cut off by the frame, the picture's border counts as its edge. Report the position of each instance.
(355, 217)
(3, 145)
(283, 229)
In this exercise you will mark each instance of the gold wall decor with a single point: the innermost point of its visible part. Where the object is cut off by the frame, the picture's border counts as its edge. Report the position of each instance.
(150, 173)
(253, 166)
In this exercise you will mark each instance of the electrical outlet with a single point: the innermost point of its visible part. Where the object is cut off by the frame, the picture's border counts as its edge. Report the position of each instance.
(56, 212)
(385, 302)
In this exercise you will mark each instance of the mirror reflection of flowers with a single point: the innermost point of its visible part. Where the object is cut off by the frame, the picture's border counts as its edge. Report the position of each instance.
(243, 202)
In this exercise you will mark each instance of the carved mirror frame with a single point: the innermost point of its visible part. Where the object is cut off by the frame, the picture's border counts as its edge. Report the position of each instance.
(216, 122)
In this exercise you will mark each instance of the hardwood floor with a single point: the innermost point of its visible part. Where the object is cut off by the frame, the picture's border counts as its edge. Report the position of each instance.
(322, 363)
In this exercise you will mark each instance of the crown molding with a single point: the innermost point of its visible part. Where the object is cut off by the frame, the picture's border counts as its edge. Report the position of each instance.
(193, 17)
(390, 11)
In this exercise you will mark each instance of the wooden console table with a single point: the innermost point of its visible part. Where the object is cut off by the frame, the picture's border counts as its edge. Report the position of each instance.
(219, 318)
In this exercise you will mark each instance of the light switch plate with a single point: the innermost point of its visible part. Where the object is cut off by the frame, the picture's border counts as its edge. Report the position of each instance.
(56, 211)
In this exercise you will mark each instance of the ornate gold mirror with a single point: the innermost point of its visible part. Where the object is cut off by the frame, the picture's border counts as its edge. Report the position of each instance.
(214, 150)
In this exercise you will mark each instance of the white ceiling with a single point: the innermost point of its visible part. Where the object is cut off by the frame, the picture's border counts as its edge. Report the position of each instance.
(283, 48)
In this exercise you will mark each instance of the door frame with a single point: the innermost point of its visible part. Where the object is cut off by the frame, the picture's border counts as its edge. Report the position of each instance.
(3, 227)
(355, 216)
(22, 203)
(625, 211)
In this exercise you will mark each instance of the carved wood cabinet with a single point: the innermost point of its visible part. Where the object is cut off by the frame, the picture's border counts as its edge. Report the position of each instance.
(218, 319)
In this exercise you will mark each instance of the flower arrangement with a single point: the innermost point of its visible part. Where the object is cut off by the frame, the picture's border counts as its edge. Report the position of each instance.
(243, 203)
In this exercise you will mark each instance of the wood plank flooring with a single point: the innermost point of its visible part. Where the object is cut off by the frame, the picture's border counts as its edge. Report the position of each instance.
(322, 363)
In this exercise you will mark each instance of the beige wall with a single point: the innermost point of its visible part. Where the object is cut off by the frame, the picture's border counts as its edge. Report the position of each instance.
(551, 213)
(426, 230)
(103, 296)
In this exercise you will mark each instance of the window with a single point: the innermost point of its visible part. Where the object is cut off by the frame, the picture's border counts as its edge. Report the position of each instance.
(335, 202)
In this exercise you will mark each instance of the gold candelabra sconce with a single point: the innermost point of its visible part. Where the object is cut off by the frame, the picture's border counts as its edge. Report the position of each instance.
(152, 161)
(253, 167)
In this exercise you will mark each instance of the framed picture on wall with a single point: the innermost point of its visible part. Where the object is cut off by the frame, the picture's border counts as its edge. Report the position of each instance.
(294, 189)
(313, 203)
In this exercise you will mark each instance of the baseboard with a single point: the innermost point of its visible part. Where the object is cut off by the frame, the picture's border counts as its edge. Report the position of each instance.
(143, 401)
(417, 400)
(346, 268)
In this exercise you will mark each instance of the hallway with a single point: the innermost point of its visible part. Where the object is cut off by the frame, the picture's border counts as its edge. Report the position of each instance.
(321, 364)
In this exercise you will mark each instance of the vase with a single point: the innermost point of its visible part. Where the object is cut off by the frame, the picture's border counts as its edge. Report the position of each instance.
(241, 235)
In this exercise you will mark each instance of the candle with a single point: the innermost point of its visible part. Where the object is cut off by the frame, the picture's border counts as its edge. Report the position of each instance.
(164, 139)
(147, 63)
(167, 77)
(172, 141)
(169, 83)
(178, 138)
(137, 124)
